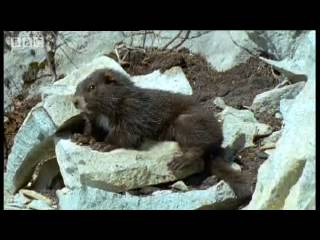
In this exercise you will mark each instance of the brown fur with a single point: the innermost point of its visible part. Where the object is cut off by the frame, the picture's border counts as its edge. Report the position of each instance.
(131, 114)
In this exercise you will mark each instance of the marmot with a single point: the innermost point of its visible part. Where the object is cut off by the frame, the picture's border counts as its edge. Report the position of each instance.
(130, 114)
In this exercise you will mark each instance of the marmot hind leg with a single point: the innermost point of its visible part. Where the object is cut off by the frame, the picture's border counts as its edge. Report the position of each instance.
(194, 132)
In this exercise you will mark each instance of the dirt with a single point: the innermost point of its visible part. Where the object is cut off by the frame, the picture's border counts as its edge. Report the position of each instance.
(249, 159)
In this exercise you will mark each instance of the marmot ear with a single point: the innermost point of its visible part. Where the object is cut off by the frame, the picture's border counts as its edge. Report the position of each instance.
(109, 77)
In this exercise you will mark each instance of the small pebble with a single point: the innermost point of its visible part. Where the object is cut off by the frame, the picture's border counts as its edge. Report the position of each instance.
(180, 185)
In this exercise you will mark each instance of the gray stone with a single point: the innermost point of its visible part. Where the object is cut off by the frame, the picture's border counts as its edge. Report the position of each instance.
(219, 196)
(241, 122)
(45, 175)
(172, 80)
(285, 105)
(220, 50)
(286, 180)
(278, 115)
(279, 44)
(20, 200)
(22, 159)
(83, 47)
(269, 102)
(39, 205)
(302, 194)
(120, 169)
(301, 59)
(7, 197)
(273, 138)
(12, 207)
(35, 195)
(180, 185)
(16, 62)
(218, 101)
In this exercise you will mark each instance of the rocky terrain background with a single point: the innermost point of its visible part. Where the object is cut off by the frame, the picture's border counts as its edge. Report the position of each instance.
(260, 85)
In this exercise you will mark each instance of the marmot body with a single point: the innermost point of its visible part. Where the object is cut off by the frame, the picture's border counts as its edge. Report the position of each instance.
(132, 114)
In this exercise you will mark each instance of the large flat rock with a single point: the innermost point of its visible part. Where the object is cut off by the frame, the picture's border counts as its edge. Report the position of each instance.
(219, 196)
(121, 169)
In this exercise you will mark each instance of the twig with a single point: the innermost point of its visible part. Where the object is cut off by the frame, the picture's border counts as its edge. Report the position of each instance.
(246, 107)
(273, 73)
(120, 60)
(144, 39)
(70, 60)
(268, 146)
(283, 83)
(42, 76)
(246, 49)
(53, 72)
(65, 42)
(199, 35)
(172, 40)
(117, 54)
(125, 55)
(183, 40)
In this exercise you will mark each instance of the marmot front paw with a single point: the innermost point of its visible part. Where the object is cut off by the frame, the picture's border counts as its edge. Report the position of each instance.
(80, 139)
(103, 147)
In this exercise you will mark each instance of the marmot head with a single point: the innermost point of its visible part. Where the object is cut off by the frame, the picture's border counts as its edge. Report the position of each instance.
(101, 87)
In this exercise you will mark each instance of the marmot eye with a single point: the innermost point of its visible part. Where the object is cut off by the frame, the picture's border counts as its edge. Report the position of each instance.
(91, 87)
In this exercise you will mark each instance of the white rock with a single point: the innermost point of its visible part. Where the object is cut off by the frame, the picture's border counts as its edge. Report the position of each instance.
(39, 205)
(7, 197)
(269, 101)
(280, 44)
(34, 129)
(285, 105)
(269, 151)
(219, 49)
(286, 180)
(278, 115)
(35, 195)
(13, 207)
(20, 199)
(301, 59)
(48, 171)
(16, 62)
(273, 138)
(120, 169)
(59, 108)
(180, 185)
(172, 80)
(84, 47)
(238, 122)
(302, 194)
(219, 196)
(218, 101)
